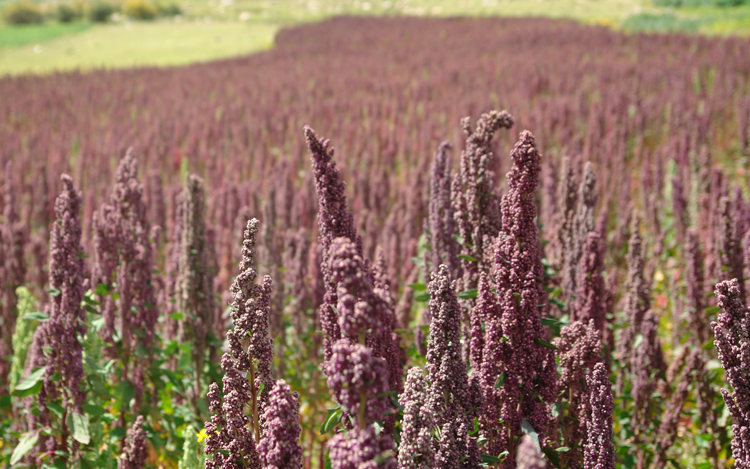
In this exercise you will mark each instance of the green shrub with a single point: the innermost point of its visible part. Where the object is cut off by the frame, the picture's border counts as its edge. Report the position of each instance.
(22, 12)
(139, 9)
(66, 13)
(100, 12)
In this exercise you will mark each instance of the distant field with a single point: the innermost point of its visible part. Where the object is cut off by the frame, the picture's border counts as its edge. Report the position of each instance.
(138, 44)
(209, 29)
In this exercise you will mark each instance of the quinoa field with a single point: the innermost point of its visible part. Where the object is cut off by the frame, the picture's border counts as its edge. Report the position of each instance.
(385, 243)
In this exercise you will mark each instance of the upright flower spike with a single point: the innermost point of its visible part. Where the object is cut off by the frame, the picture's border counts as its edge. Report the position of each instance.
(729, 245)
(232, 433)
(280, 448)
(415, 450)
(580, 226)
(599, 451)
(647, 361)
(695, 295)
(124, 257)
(579, 350)
(475, 204)
(450, 399)
(135, 453)
(590, 295)
(362, 449)
(13, 238)
(442, 226)
(194, 283)
(333, 221)
(527, 365)
(733, 346)
(56, 344)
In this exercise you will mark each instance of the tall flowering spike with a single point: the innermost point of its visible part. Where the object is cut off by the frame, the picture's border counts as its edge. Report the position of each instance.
(733, 346)
(362, 449)
(57, 345)
(280, 447)
(637, 300)
(229, 440)
(450, 399)
(670, 422)
(728, 245)
(695, 295)
(527, 455)
(581, 225)
(475, 205)
(365, 314)
(590, 295)
(124, 257)
(194, 284)
(232, 433)
(563, 223)
(528, 366)
(599, 451)
(333, 221)
(13, 239)
(579, 350)
(441, 224)
(134, 454)
(358, 381)
(415, 450)
(679, 209)
(647, 362)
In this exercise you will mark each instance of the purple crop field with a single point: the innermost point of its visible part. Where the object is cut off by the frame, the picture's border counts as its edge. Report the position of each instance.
(529, 249)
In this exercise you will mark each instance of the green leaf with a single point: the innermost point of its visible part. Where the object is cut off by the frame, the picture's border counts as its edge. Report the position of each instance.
(176, 316)
(638, 340)
(468, 294)
(418, 261)
(418, 286)
(550, 322)
(36, 316)
(713, 364)
(704, 465)
(552, 456)
(56, 408)
(467, 258)
(557, 303)
(53, 292)
(80, 428)
(27, 441)
(31, 384)
(562, 449)
(544, 343)
(423, 297)
(333, 419)
(458, 239)
(489, 459)
(712, 310)
(93, 409)
(501, 379)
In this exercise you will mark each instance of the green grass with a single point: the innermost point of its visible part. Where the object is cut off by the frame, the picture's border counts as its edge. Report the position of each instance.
(139, 44)
(35, 33)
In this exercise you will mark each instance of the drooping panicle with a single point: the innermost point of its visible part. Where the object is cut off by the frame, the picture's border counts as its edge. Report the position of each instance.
(417, 425)
(528, 366)
(599, 451)
(442, 226)
(135, 453)
(280, 447)
(733, 346)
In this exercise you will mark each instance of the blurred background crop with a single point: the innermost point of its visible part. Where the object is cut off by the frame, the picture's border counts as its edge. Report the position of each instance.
(46, 35)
